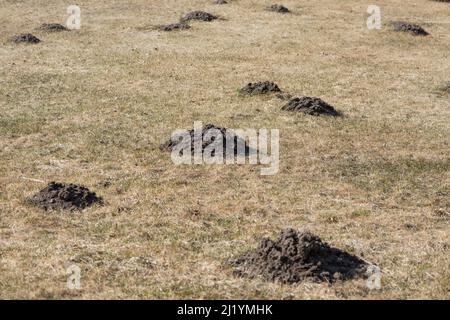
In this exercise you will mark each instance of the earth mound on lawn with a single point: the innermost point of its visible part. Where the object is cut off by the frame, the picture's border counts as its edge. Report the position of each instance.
(296, 256)
(199, 15)
(409, 27)
(53, 27)
(61, 196)
(264, 87)
(209, 138)
(310, 105)
(173, 26)
(278, 8)
(25, 38)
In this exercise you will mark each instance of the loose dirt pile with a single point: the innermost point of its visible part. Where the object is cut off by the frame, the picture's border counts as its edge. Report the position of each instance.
(296, 256)
(408, 27)
(310, 105)
(209, 137)
(278, 8)
(173, 27)
(25, 38)
(53, 27)
(260, 88)
(199, 15)
(60, 196)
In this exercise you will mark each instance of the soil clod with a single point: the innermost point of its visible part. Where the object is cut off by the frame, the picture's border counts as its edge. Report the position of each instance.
(278, 8)
(296, 256)
(409, 27)
(174, 26)
(61, 196)
(211, 137)
(25, 38)
(53, 27)
(260, 88)
(310, 105)
(199, 15)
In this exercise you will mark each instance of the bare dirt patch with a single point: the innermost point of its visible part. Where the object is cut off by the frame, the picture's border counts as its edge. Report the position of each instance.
(25, 38)
(278, 8)
(296, 256)
(199, 16)
(211, 136)
(61, 196)
(53, 27)
(415, 29)
(255, 88)
(311, 105)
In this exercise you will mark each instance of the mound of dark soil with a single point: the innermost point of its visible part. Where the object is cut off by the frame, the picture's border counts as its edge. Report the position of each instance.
(174, 26)
(206, 140)
(260, 88)
(278, 8)
(60, 196)
(25, 38)
(199, 15)
(310, 105)
(53, 27)
(295, 256)
(409, 27)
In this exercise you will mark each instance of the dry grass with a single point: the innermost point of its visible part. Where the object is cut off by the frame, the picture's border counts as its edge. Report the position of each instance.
(92, 106)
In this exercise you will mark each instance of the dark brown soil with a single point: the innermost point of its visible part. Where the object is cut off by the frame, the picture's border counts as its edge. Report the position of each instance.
(53, 27)
(220, 2)
(174, 26)
(226, 134)
(25, 38)
(409, 27)
(310, 105)
(199, 15)
(260, 88)
(60, 196)
(296, 256)
(278, 8)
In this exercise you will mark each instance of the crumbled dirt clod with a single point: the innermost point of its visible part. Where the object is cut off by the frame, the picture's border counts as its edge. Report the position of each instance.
(278, 8)
(25, 38)
(260, 88)
(310, 105)
(199, 15)
(207, 138)
(174, 26)
(409, 27)
(61, 196)
(53, 27)
(296, 256)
